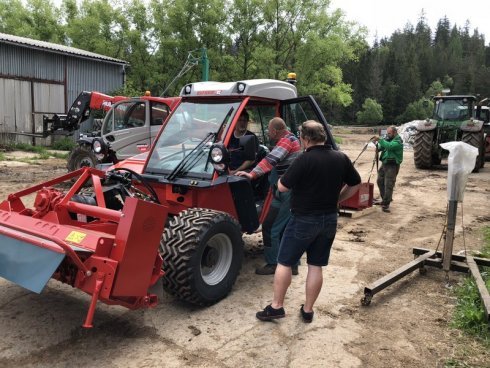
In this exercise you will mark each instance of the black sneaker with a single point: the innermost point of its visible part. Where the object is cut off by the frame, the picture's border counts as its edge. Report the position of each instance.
(307, 316)
(385, 208)
(268, 269)
(269, 313)
(294, 270)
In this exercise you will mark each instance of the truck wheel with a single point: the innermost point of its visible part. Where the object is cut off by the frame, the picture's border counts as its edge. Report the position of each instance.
(202, 254)
(81, 156)
(476, 140)
(422, 149)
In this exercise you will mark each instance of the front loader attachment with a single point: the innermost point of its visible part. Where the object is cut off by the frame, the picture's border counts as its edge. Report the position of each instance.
(73, 237)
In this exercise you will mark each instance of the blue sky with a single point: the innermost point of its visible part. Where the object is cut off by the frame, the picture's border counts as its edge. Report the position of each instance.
(385, 16)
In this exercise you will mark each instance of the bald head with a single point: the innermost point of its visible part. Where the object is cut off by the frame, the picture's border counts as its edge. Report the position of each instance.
(277, 124)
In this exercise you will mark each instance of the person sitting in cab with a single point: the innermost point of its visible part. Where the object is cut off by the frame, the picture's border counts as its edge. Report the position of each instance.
(237, 161)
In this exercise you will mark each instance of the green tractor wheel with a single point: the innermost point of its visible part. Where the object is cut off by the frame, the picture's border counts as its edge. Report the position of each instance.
(422, 149)
(476, 140)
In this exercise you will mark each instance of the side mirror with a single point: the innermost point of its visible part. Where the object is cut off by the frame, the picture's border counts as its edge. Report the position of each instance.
(249, 145)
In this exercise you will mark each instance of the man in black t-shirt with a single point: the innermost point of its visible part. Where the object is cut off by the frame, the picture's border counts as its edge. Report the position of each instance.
(237, 162)
(319, 179)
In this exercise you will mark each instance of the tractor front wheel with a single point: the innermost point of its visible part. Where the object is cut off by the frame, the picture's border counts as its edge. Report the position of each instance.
(422, 149)
(202, 254)
(81, 156)
(476, 140)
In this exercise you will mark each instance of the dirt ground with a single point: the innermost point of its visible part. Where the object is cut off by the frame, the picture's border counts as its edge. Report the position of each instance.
(407, 325)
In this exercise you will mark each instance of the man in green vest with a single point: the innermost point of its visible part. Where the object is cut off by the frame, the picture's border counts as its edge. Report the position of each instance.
(391, 150)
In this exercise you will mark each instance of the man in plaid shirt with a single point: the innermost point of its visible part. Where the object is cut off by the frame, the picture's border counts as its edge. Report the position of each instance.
(276, 162)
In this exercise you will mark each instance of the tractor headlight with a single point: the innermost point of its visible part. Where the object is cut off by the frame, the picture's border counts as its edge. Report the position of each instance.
(97, 147)
(241, 87)
(219, 157)
(100, 148)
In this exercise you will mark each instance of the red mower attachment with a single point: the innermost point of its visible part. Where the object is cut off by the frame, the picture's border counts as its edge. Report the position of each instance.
(108, 250)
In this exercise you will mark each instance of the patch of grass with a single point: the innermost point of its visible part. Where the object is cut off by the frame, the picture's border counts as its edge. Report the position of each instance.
(337, 140)
(43, 153)
(469, 312)
(2, 156)
(28, 148)
(453, 363)
(64, 144)
(62, 156)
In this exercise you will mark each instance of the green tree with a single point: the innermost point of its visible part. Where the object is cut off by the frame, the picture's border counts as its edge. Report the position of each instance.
(371, 113)
(38, 19)
(417, 110)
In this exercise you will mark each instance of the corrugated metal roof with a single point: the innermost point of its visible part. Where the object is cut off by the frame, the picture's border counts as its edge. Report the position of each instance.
(53, 47)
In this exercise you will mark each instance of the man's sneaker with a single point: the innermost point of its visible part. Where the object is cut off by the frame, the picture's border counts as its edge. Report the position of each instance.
(269, 313)
(385, 208)
(268, 269)
(377, 201)
(306, 316)
(294, 270)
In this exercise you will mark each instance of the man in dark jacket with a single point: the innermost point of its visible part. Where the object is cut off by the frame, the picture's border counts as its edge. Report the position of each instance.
(391, 149)
(318, 180)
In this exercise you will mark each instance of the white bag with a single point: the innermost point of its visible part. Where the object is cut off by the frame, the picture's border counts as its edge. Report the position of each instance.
(461, 162)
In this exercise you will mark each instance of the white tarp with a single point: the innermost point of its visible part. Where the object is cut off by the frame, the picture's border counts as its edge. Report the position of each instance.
(461, 162)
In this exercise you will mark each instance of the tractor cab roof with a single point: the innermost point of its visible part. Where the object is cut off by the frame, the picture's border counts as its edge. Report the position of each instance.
(264, 88)
(455, 97)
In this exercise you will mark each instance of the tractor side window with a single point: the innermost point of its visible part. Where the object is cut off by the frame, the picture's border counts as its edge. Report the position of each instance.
(107, 125)
(129, 115)
(297, 113)
(159, 112)
(259, 117)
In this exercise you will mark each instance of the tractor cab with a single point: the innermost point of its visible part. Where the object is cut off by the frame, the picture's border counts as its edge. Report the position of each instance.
(191, 155)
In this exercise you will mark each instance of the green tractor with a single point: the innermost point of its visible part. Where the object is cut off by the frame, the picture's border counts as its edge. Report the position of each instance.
(455, 118)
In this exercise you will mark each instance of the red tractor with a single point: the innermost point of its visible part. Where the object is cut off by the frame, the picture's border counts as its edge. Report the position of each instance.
(107, 239)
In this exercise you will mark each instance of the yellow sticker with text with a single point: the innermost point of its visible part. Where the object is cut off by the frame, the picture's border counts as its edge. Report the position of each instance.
(76, 237)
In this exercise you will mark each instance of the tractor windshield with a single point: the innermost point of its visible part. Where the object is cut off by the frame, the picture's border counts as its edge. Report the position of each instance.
(451, 109)
(183, 146)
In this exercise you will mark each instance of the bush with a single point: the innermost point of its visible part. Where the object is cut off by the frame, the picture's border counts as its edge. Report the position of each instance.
(417, 110)
(371, 113)
(64, 144)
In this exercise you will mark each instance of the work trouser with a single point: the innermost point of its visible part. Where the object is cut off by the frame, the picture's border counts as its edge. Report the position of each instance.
(274, 225)
(276, 220)
(386, 181)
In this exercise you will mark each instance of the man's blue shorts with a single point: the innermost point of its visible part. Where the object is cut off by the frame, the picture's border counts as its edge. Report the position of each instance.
(313, 234)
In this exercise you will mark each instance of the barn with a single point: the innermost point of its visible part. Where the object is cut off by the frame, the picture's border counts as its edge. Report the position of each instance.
(38, 78)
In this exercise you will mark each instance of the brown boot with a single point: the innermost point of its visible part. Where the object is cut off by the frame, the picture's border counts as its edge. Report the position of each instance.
(268, 269)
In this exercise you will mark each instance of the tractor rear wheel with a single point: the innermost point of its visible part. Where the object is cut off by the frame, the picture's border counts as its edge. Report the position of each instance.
(81, 156)
(476, 140)
(202, 254)
(422, 149)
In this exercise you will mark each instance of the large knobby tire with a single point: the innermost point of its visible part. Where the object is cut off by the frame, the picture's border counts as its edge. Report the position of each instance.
(81, 156)
(422, 149)
(476, 140)
(202, 254)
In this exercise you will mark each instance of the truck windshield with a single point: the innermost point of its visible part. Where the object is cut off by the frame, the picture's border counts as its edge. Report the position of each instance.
(451, 109)
(190, 125)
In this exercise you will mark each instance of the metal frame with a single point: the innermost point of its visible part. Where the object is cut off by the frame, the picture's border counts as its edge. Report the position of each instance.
(444, 260)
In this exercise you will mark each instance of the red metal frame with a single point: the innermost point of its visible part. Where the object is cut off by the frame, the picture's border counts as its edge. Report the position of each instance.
(116, 256)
